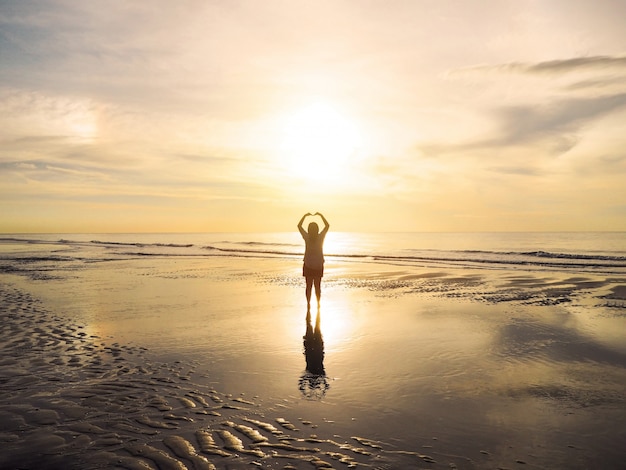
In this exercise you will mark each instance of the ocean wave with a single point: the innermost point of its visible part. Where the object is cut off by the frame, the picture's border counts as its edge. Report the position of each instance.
(536, 254)
(19, 240)
(249, 251)
(546, 254)
(538, 259)
(572, 262)
(255, 243)
(140, 244)
(399, 254)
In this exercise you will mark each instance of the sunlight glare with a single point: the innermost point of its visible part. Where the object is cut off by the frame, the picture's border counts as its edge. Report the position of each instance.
(335, 323)
(81, 123)
(318, 142)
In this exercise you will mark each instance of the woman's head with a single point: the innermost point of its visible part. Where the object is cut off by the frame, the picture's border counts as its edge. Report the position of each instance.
(313, 229)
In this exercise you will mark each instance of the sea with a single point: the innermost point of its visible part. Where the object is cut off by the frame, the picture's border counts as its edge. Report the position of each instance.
(593, 252)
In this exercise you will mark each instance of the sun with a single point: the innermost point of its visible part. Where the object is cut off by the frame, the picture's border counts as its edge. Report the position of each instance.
(318, 142)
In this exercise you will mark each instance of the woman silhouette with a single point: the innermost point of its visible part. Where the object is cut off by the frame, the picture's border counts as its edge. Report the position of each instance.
(313, 267)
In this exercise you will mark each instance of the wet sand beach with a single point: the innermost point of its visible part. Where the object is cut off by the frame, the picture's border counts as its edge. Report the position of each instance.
(170, 363)
(71, 401)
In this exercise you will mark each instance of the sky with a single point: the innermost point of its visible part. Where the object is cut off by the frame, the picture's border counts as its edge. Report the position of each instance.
(202, 116)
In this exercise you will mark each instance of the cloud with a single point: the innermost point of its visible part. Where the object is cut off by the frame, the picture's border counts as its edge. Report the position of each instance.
(515, 170)
(559, 66)
(524, 124)
(533, 132)
(22, 165)
(600, 63)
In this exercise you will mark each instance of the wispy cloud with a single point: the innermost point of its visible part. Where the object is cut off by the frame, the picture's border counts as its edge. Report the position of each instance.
(559, 66)
(521, 124)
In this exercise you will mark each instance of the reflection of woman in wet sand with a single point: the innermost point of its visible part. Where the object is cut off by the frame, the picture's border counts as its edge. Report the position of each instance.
(313, 384)
(313, 268)
(314, 347)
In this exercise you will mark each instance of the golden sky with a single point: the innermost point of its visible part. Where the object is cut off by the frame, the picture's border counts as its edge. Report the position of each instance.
(203, 115)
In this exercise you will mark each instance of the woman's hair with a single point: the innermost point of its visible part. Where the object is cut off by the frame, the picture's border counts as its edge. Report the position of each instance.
(313, 229)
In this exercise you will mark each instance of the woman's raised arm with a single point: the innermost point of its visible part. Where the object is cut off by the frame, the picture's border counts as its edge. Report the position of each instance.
(300, 228)
(326, 224)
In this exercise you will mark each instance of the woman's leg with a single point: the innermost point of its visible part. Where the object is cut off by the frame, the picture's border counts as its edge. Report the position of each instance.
(309, 285)
(318, 290)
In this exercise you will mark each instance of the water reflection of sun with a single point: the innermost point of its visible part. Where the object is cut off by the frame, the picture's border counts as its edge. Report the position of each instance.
(335, 318)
